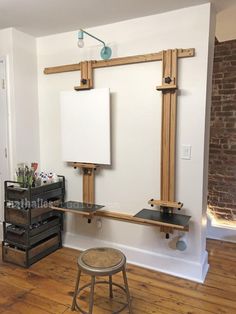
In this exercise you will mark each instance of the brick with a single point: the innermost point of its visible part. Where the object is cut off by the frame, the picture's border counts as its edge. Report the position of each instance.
(227, 86)
(227, 91)
(225, 113)
(222, 153)
(216, 98)
(218, 75)
(230, 74)
(229, 58)
(229, 107)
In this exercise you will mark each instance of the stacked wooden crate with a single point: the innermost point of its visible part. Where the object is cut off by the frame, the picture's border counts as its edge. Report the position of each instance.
(32, 229)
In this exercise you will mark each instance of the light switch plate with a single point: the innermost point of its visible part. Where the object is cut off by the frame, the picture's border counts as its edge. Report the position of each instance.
(186, 152)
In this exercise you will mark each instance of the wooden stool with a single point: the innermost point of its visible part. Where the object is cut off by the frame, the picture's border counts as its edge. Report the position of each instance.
(101, 262)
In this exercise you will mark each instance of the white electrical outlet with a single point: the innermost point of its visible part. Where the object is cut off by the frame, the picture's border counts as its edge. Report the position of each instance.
(186, 151)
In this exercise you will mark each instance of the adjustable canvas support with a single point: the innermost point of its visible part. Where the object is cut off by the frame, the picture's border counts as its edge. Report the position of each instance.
(168, 133)
(86, 81)
(169, 97)
(88, 181)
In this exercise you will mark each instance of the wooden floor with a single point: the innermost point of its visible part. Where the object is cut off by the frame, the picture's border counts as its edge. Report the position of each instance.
(47, 287)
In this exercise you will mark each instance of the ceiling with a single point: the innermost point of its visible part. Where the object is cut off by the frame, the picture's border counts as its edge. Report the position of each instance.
(45, 17)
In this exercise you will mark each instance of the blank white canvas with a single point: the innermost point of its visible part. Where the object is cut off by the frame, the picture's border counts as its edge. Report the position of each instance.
(85, 126)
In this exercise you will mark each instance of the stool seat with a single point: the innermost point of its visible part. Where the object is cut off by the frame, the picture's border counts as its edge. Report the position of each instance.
(101, 261)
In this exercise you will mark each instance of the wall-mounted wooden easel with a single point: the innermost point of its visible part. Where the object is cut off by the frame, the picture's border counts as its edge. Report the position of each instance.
(168, 220)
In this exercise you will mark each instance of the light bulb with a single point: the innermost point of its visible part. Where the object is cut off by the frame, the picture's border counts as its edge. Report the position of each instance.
(80, 43)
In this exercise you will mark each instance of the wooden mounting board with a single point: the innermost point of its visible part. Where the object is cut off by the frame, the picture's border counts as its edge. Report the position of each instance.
(169, 60)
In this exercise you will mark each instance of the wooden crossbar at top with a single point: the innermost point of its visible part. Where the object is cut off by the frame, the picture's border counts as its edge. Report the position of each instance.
(182, 53)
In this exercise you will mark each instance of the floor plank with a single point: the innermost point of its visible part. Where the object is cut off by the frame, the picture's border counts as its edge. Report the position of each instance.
(47, 287)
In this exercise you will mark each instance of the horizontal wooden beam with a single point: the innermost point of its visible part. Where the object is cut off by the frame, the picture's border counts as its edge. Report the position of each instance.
(121, 217)
(88, 215)
(182, 53)
(63, 68)
(136, 220)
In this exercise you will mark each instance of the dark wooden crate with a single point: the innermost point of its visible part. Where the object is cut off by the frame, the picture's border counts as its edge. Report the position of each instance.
(15, 192)
(26, 257)
(29, 216)
(27, 237)
(25, 207)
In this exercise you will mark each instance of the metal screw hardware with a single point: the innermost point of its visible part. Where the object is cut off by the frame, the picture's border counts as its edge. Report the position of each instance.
(83, 81)
(168, 80)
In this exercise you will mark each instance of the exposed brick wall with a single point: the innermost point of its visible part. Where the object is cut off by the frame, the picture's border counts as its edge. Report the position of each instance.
(222, 159)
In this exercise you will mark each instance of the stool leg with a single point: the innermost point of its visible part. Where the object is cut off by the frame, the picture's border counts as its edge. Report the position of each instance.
(76, 290)
(91, 295)
(110, 287)
(127, 290)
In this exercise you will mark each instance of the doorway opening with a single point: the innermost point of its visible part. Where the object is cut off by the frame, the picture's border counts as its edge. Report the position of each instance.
(4, 136)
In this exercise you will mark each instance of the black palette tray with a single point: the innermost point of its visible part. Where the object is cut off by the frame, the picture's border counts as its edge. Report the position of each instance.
(169, 218)
(77, 207)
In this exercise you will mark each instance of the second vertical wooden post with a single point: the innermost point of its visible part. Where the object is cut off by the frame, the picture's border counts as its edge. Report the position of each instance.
(169, 97)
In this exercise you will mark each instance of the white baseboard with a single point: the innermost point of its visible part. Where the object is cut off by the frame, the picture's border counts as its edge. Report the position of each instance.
(158, 262)
(222, 233)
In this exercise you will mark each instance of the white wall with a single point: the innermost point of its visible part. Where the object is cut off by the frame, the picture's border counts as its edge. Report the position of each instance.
(136, 123)
(6, 51)
(19, 49)
(225, 24)
(20, 52)
(26, 97)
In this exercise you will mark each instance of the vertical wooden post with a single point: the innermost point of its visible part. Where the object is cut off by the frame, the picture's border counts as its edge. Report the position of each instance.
(169, 97)
(86, 81)
(88, 185)
(88, 181)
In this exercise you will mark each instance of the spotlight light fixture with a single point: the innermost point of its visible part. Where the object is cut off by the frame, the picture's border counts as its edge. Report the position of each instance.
(105, 52)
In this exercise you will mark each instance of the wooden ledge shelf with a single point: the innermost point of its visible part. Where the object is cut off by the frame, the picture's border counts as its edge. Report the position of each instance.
(147, 217)
(177, 221)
